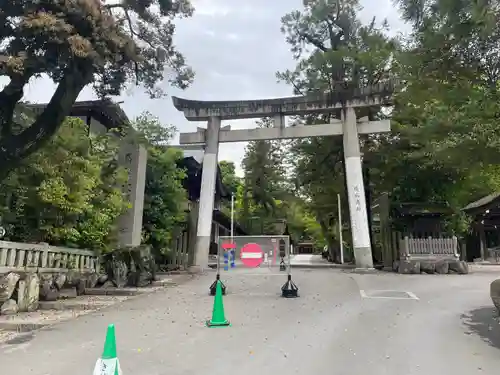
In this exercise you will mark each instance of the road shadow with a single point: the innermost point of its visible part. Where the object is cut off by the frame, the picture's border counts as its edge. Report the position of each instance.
(22, 338)
(483, 322)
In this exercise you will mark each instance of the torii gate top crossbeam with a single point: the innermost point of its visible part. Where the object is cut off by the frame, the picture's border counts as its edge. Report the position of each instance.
(196, 110)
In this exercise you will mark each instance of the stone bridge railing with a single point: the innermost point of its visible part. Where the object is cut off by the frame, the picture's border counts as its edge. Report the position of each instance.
(16, 256)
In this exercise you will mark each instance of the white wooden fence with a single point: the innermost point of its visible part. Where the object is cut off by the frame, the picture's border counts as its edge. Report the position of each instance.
(429, 248)
(16, 256)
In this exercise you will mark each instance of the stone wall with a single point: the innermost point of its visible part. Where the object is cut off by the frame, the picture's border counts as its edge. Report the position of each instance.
(23, 291)
(430, 266)
(37, 275)
(33, 272)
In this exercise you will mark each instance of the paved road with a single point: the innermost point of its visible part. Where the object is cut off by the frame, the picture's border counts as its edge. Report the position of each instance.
(331, 329)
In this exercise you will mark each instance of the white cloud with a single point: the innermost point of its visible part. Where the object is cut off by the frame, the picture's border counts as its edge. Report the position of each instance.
(209, 33)
(233, 37)
(211, 8)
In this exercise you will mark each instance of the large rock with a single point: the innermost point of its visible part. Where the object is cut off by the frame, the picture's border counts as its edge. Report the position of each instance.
(495, 293)
(59, 281)
(76, 280)
(409, 267)
(28, 293)
(139, 279)
(68, 293)
(48, 292)
(427, 267)
(119, 272)
(9, 307)
(458, 266)
(72, 278)
(32, 291)
(131, 266)
(91, 280)
(395, 266)
(46, 277)
(442, 267)
(80, 287)
(108, 284)
(8, 285)
(102, 279)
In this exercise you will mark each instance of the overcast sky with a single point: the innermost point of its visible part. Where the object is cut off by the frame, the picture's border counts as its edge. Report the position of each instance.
(235, 47)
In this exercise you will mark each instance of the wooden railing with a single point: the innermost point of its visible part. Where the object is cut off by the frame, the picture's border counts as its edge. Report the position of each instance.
(429, 248)
(16, 256)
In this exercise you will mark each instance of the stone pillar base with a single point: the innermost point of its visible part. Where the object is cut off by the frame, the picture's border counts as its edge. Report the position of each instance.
(364, 270)
(196, 270)
(363, 257)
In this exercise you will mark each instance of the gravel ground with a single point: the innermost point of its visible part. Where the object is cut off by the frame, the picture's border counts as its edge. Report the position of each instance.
(25, 321)
(445, 325)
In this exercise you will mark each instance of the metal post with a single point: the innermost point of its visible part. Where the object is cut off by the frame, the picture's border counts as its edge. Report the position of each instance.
(233, 251)
(232, 217)
(340, 231)
(290, 247)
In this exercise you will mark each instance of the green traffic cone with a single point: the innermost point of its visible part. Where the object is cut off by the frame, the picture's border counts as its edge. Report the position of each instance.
(218, 317)
(108, 364)
(109, 351)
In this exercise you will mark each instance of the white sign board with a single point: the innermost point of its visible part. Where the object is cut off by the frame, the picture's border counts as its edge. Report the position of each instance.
(357, 207)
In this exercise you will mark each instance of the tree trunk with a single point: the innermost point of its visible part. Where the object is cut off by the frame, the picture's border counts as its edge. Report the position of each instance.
(333, 246)
(11, 94)
(16, 147)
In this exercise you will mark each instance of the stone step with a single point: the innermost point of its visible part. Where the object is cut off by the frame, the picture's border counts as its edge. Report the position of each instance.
(163, 282)
(127, 291)
(67, 293)
(168, 273)
(20, 326)
(115, 291)
(75, 305)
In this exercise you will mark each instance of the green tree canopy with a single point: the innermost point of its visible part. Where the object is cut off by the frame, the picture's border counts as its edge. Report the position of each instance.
(164, 198)
(331, 47)
(443, 147)
(79, 43)
(229, 177)
(68, 193)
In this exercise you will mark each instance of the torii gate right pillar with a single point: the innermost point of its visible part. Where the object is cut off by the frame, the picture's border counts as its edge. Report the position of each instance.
(355, 191)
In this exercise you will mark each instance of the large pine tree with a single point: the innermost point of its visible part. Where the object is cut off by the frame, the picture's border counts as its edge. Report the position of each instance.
(332, 47)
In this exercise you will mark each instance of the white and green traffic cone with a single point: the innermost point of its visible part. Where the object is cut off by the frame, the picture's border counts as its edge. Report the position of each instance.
(108, 364)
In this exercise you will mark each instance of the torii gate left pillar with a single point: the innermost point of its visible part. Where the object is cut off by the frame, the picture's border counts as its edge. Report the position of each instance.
(207, 194)
(347, 125)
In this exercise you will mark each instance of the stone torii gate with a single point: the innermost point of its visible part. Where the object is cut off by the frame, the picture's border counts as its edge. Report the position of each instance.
(344, 102)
